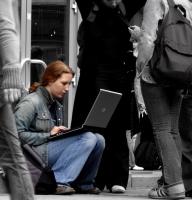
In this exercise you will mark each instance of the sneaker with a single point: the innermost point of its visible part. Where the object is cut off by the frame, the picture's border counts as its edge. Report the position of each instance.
(162, 193)
(118, 189)
(137, 168)
(94, 190)
(158, 193)
(64, 189)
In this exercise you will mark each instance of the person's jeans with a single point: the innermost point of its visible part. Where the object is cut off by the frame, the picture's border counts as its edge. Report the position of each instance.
(75, 160)
(163, 107)
(131, 151)
(12, 159)
(185, 125)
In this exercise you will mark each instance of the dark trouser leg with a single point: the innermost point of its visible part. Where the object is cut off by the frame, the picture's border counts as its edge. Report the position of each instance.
(12, 159)
(185, 125)
(114, 168)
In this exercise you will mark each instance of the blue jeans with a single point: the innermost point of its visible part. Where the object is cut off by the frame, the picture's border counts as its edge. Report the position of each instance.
(12, 159)
(75, 160)
(163, 107)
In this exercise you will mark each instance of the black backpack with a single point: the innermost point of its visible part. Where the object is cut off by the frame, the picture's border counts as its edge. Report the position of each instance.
(171, 63)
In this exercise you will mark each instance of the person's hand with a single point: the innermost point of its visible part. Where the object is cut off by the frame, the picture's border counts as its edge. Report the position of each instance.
(11, 95)
(12, 83)
(135, 32)
(142, 110)
(142, 113)
(57, 129)
(63, 128)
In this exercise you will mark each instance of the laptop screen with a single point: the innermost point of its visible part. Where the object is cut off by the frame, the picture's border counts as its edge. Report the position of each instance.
(103, 109)
(99, 115)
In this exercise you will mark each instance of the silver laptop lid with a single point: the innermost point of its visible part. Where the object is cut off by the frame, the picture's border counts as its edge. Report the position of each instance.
(103, 108)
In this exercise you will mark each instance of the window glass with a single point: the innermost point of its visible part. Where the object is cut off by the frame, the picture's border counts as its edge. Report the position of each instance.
(49, 34)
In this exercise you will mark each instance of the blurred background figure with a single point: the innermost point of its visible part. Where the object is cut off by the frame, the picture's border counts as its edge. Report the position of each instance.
(11, 156)
(131, 144)
(36, 69)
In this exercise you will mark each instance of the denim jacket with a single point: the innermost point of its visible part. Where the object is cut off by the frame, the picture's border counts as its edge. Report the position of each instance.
(34, 121)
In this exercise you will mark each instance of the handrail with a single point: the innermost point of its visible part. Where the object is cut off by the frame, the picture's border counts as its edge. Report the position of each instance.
(31, 61)
(35, 61)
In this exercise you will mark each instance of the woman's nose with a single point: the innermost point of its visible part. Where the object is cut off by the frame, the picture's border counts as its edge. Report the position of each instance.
(67, 87)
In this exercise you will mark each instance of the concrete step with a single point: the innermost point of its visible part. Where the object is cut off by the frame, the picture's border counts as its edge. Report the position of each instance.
(137, 179)
(143, 179)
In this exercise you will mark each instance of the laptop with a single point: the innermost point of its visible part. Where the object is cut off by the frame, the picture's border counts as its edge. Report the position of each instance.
(99, 115)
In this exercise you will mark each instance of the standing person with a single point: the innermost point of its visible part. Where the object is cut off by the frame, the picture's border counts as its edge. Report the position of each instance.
(163, 103)
(185, 127)
(132, 163)
(74, 160)
(105, 60)
(11, 157)
(36, 69)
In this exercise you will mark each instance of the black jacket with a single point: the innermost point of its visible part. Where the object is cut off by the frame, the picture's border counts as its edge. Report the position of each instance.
(103, 36)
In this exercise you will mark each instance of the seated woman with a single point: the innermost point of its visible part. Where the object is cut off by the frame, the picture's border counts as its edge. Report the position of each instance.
(74, 160)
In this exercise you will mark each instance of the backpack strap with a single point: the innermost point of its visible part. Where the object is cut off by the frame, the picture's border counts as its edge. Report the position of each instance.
(178, 7)
(171, 3)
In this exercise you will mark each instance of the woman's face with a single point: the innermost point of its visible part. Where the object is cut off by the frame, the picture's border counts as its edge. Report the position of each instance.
(59, 87)
(111, 3)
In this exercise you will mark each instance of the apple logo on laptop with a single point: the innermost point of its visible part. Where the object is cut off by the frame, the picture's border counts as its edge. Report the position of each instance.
(103, 110)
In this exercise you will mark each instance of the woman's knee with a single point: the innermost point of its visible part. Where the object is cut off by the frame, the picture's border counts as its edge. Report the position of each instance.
(90, 140)
(100, 141)
(94, 140)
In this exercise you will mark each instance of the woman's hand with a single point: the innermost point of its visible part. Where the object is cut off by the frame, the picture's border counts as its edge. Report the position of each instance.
(142, 110)
(135, 32)
(57, 129)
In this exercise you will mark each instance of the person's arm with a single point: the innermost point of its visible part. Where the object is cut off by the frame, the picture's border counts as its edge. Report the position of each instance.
(139, 97)
(25, 114)
(9, 53)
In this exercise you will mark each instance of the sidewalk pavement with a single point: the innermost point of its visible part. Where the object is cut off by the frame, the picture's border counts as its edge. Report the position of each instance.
(135, 194)
(131, 194)
(140, 182)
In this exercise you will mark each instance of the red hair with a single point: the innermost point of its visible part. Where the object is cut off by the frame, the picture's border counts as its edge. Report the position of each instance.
(53, 71)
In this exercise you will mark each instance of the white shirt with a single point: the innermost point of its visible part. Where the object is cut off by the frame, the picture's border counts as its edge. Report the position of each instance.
(154, 10)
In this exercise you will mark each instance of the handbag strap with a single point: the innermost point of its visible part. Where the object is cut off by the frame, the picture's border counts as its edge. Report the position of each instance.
(178, 7)
(34, 155)
(171, 3)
